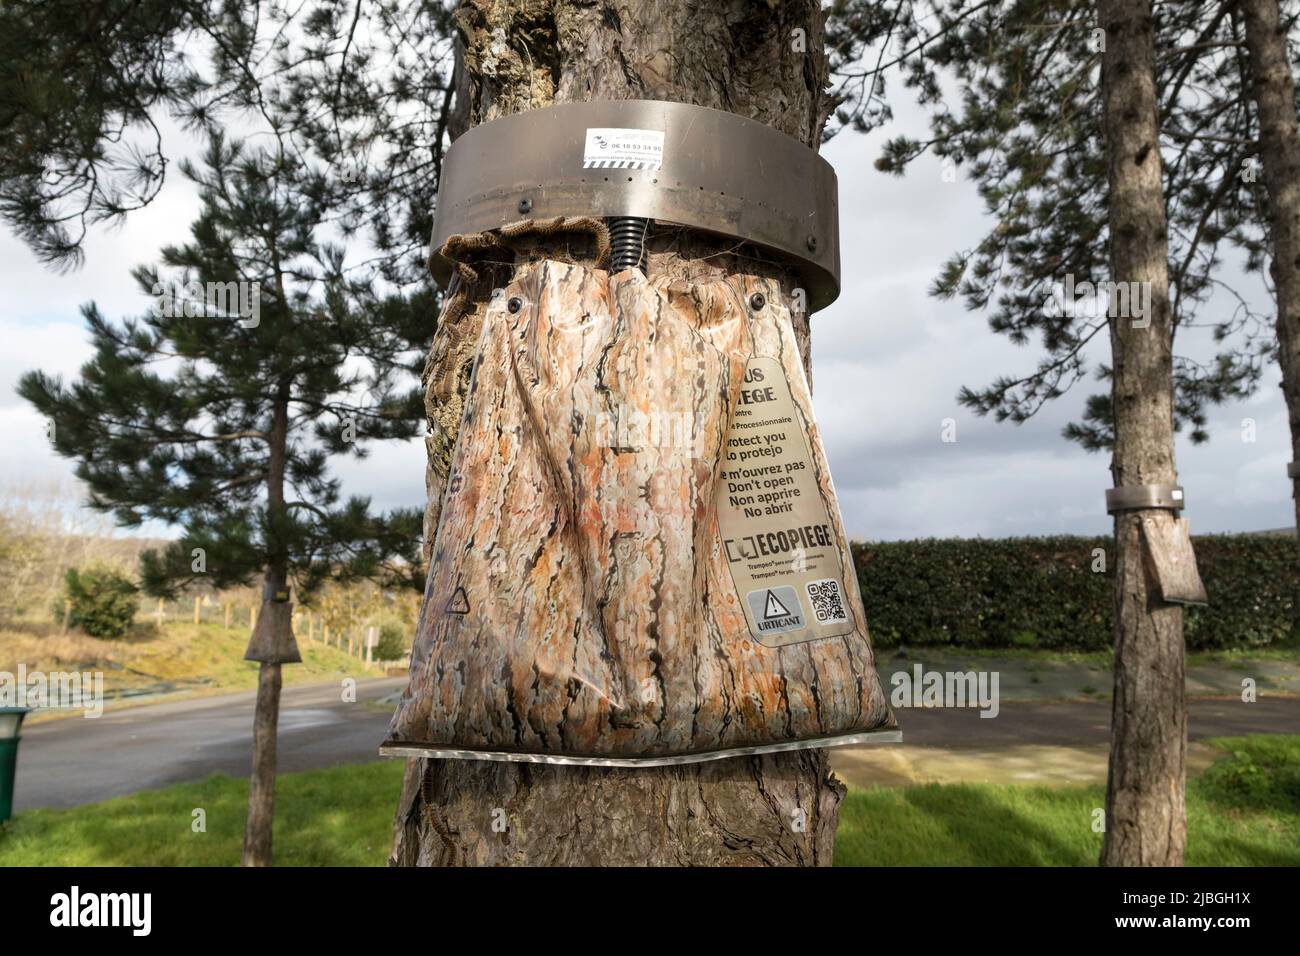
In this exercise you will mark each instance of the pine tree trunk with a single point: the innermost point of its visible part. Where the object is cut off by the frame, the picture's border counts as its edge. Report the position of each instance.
(1274, 94)
(273, 645)
(764, 61)
(261, 783)
(1146, 821)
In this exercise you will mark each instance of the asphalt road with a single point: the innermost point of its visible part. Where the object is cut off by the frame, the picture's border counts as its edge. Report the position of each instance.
(63, 763)
(68, 762)
(1082, 723)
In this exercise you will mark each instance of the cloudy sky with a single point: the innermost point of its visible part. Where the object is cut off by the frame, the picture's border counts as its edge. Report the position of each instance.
(888, 361)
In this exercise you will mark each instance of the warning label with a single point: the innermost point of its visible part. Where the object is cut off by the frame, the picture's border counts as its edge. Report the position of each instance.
(459, 602)
(776, 609)
(612, 148)
(776, 526)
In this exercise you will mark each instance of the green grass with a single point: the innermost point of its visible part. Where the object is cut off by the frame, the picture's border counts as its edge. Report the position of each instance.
(1244, 811)
(337, 817)
(188, 651)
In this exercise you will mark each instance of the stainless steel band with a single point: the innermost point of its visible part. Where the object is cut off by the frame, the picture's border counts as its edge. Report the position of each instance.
(1139, 497)
(720, 173)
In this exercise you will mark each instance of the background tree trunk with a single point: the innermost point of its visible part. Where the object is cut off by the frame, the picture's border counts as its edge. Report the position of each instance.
(261, 784)
(1146, 823)
(764, 61)
(1273, 90)
(272, 645)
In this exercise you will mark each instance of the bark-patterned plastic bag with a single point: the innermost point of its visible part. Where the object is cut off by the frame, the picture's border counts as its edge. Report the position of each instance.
(639, 556)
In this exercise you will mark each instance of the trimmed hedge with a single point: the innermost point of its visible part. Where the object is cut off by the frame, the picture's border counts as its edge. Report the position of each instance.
(1044, 593)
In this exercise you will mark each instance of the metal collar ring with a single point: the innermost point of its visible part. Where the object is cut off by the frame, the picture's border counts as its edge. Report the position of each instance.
(689, 165)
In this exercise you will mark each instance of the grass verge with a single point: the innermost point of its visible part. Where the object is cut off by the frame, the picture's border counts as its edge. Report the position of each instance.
(179, 657)
(1244, 811)
(337, 817)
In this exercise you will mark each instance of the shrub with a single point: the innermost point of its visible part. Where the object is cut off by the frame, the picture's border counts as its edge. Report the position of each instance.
(103, 601)
(1261, 772)
(1044, 593)
(392, 642)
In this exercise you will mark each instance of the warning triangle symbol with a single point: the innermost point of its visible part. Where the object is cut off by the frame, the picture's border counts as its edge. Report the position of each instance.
(459, 603)
(774, 607)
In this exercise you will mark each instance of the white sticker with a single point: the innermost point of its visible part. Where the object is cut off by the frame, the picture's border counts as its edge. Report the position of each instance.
(623, 149)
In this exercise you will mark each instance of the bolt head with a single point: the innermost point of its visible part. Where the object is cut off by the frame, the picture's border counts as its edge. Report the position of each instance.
(515, 304)
(756, 301)
(525, 205)
(812, 243)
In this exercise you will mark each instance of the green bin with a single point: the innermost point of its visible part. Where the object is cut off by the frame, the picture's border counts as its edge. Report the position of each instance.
(11, 721)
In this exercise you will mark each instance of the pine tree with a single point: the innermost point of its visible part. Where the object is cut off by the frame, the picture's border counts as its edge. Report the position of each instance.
(363, 87)
(1273, 90)
(82, 87)
(1107, 140)
(1025, 127)
(219, 409)
(722, 812)
(1146, 816)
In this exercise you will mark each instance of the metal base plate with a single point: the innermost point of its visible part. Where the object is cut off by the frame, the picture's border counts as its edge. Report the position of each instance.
(397, 749)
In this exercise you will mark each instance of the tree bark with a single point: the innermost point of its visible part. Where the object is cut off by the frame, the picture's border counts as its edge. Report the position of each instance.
(1273, 89)
(765, 61)
(272, 644)
(1146, 821)
(261, 784)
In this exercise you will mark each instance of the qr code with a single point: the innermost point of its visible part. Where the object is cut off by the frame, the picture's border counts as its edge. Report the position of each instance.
(827, 602)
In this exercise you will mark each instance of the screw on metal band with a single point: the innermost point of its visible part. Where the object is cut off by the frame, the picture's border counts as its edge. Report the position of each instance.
(1142, 497)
